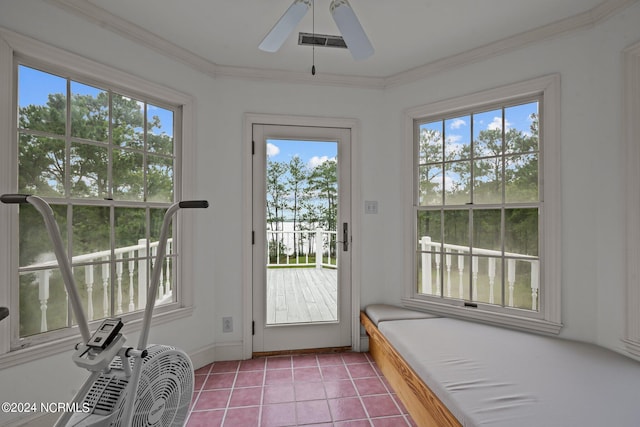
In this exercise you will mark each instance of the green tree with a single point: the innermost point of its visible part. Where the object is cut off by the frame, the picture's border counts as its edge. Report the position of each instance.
(275, 201)
(44, 168)
(296, 184)
(323, 183)
(430, 174)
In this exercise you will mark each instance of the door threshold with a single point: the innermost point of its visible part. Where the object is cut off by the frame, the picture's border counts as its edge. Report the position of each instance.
(324, 350)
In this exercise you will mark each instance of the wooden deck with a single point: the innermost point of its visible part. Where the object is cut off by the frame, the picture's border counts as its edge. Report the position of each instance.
(301, 295)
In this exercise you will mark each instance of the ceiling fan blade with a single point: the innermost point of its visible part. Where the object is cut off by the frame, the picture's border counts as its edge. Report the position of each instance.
(285, 25)
(351, 30)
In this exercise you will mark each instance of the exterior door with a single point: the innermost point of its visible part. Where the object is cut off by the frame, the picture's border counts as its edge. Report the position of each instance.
(301, 234)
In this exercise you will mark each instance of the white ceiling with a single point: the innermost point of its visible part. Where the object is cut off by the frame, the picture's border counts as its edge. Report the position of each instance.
(406, 34)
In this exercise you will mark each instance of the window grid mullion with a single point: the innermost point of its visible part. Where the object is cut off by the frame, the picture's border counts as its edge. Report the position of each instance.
(145, 155)
(503, 287)
(70, 202)
(471, 207)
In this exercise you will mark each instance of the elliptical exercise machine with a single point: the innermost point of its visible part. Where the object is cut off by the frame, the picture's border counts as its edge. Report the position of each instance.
(149, 385)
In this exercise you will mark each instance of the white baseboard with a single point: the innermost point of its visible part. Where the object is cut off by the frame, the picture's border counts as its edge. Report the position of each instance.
(229, 351)
(364, 343)
(216, 353)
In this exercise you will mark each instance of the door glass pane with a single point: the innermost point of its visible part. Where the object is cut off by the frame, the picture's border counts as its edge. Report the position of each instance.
(302, 234)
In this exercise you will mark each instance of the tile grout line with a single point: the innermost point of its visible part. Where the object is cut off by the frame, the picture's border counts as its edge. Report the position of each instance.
(384, 384)
(290, 367)
(358, 393)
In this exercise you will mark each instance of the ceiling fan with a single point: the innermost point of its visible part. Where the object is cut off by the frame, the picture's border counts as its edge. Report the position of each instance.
(342, 13)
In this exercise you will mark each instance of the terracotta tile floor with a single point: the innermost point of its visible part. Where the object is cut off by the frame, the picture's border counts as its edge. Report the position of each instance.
(342, 390)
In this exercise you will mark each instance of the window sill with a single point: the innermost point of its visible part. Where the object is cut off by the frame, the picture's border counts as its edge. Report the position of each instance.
(521, 323)
(40, 351)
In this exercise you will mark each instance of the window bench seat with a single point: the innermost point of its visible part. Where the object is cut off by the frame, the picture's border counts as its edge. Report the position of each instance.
(451, 372)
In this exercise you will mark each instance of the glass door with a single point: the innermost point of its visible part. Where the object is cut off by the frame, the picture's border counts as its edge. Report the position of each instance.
(301, 266)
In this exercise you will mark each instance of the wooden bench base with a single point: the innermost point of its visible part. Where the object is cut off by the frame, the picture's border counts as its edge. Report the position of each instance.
(424, 407)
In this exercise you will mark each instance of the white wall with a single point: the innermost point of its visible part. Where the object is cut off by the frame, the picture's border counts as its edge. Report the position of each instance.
(589, 62)
(220, 105)
(593, 245)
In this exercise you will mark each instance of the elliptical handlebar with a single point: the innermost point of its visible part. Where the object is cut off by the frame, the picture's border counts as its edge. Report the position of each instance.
(14, 198)
(190, 204)
(65, 265)
(157, 266)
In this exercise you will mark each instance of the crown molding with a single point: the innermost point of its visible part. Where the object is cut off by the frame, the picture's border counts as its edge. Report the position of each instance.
(124, 28)
(107, 20)
(325, 79)
(581, 21)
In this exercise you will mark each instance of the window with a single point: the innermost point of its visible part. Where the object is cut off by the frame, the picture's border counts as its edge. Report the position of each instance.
(479, 208)
(106, 150)
(105, 161)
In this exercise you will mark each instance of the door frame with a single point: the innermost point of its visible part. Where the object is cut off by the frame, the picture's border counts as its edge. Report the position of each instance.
(353, 125)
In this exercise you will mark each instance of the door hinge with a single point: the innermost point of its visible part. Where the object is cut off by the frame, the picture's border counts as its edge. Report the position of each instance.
(253, 327)
(253, 147)
(253, 237)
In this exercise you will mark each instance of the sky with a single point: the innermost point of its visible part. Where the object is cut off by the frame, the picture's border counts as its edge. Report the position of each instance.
(312, 153)
(458, 132)
(458, 129)
(34, 87)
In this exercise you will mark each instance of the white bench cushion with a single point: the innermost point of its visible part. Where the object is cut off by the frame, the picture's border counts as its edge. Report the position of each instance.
(493, 376)
(384, 312)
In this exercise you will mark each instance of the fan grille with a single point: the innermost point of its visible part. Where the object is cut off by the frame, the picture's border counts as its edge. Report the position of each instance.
(164, 391)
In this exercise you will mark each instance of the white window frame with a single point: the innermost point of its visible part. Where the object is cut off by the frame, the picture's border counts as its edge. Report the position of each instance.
(13, 46)
(548, 319)
(631, 127)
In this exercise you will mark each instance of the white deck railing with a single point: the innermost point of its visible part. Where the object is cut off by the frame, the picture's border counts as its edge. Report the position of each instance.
(130, 274)
(454, 257)
(297, 248)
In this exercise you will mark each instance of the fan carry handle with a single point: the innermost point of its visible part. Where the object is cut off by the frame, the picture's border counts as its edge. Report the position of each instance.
(61, 256)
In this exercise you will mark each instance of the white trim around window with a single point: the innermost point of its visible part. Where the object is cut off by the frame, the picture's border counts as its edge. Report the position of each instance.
(16, 45)
(631, 127)
(548, 319)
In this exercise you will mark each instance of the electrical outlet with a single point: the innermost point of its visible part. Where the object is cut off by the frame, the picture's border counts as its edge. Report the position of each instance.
(227, 324)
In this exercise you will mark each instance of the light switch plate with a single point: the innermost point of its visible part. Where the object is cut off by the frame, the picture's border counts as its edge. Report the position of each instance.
(371, 207)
